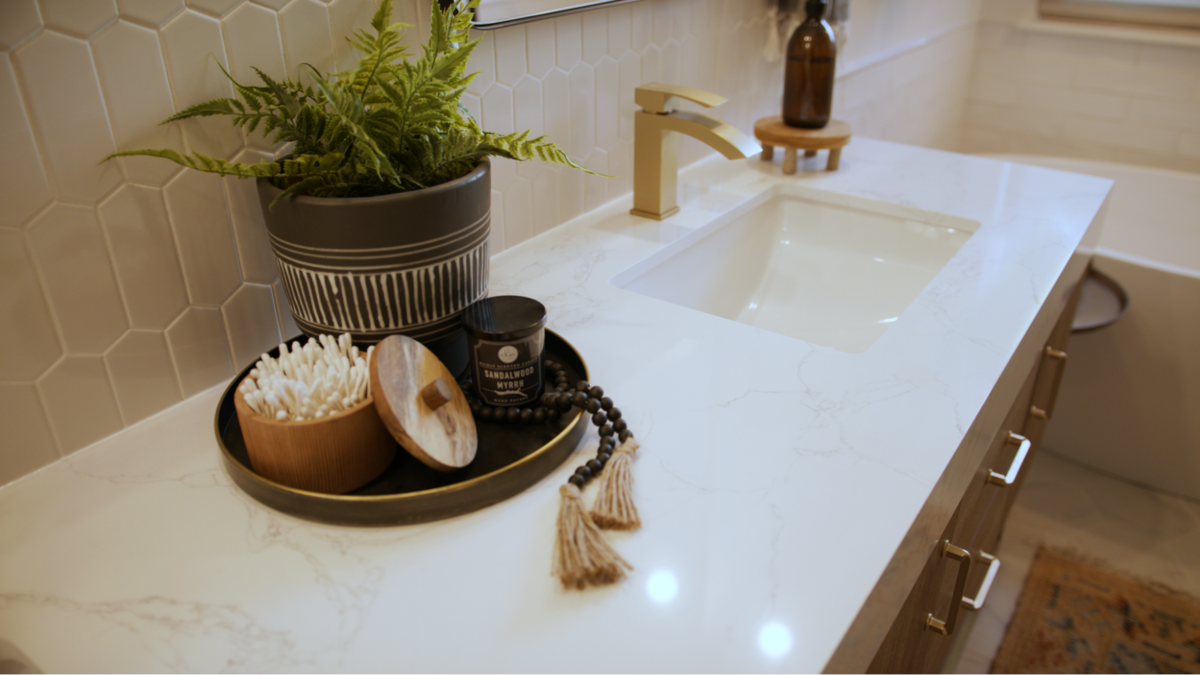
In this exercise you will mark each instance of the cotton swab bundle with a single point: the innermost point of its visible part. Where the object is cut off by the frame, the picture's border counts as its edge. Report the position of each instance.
(323, 377)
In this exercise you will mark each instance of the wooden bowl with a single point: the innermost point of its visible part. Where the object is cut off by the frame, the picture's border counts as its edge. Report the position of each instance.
(332, 455)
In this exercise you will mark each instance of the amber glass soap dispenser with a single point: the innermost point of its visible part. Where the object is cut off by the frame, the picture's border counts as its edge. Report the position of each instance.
(808, 76)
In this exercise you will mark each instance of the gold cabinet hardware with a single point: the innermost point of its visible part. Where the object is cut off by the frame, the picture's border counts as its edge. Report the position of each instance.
(1061, 358)
(976, 603)
(1014, 469)
(964, 569)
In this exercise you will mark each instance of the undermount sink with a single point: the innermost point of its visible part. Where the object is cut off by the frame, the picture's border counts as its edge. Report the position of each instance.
(822, 267)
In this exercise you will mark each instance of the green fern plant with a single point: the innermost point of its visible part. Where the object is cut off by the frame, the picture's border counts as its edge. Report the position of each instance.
(387, 125)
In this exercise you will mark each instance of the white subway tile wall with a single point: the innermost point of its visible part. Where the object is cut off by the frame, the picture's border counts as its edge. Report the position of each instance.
(1081, 96)
(128, 286)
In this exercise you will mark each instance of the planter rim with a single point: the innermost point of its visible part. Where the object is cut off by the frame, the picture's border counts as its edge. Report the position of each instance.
(308, 200)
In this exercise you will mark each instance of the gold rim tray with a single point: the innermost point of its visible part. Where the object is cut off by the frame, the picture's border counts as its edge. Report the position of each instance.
(510, 459)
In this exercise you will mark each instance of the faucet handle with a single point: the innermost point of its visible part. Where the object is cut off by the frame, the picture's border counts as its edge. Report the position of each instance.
(656, 98)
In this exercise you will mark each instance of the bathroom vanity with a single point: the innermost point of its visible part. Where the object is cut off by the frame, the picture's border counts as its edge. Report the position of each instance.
(803, 503)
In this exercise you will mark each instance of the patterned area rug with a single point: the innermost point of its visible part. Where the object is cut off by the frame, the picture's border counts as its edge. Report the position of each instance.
(1074, 617)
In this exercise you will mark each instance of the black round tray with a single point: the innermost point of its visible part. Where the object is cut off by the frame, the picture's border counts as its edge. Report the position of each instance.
(510, 458)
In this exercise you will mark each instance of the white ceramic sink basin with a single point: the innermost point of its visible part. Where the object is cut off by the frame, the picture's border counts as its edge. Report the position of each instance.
(825, 268)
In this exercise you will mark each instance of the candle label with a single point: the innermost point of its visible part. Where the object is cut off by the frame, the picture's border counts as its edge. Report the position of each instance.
(508, 374)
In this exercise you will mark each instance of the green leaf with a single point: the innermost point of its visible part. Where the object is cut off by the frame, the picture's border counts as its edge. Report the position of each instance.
(217, 106)
(281, 94)
(382, 15)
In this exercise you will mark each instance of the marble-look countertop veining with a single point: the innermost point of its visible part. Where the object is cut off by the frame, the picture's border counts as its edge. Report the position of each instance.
(778, 481)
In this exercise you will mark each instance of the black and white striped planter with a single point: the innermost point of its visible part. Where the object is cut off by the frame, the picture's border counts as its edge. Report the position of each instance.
(405, 263)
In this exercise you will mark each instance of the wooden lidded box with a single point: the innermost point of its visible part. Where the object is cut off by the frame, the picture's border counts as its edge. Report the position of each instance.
(332, 455)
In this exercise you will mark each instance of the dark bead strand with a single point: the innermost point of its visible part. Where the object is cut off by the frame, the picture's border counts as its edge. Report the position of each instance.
(611, 426)
(547, 409)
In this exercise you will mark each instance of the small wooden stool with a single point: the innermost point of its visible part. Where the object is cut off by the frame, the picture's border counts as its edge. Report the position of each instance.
(772, 131)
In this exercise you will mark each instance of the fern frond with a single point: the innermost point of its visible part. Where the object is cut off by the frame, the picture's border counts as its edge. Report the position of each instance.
(285, 98)
(518, 147)
(303, 165)
(217, 106)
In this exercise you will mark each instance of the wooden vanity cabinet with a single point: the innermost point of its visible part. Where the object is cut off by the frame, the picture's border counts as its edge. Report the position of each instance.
(911, 645)
(1049, 375)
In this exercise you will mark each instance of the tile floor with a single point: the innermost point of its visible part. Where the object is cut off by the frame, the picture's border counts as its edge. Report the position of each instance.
(1150, 534)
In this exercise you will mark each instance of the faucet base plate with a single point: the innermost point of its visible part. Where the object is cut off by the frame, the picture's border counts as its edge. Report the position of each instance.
(654, 216)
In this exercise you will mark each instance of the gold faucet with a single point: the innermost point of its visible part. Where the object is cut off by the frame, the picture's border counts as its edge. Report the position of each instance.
(655, 148)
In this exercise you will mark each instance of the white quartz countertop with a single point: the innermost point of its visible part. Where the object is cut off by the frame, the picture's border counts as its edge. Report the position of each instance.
(776, 479)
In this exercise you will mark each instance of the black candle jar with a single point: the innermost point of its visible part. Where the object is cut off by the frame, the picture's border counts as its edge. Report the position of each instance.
(505, 340)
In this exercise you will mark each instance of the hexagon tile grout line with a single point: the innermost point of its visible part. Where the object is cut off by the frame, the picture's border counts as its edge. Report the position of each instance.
(38, 144)
(41, 279)
(41, 398)
(146, 23)
(46, 154)
(112, 261)
(108, 371)
(108, 358)
(37, 214)
(192, 6)
(174, 357)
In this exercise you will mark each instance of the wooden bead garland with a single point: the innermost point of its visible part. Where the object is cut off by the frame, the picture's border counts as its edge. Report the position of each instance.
(582, 557)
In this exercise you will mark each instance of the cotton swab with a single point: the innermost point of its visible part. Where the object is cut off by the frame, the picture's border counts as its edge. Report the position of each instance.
(322, 377)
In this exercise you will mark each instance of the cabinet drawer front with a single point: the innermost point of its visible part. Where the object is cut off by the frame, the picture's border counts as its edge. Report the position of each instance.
(1000, 457)
(909, 646)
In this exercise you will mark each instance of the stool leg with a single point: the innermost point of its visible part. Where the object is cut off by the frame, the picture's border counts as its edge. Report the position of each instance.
(835, 157)
(789, 161)
(810, 153)
(768, 152)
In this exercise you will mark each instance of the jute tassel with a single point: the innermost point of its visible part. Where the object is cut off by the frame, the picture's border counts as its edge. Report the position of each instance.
(614, 508)
(581, 555)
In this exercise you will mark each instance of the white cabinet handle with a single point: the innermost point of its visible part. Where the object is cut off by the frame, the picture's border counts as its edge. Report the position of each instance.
(964, 569)
(976, 603)
(1014, 470)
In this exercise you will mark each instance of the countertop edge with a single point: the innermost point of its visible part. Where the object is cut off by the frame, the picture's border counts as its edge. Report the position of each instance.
(861, 641)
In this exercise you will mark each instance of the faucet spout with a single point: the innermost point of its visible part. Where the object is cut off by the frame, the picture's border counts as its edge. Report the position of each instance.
(655, 145)
(720, 136)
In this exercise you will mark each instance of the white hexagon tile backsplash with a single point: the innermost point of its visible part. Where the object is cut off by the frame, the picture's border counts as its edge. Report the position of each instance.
(128, 286)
